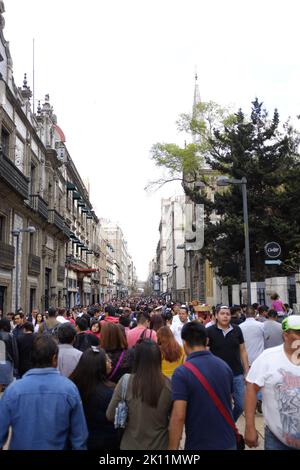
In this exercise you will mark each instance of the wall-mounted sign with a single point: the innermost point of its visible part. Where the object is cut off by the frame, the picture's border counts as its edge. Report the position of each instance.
(273, 250)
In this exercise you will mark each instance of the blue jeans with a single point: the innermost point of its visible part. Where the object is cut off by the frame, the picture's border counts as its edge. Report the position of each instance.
(238, 396)
(272, 443)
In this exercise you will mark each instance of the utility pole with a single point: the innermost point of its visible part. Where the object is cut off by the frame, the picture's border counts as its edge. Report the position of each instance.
(174, 266)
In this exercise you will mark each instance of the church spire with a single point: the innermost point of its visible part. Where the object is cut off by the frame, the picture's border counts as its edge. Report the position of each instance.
(197, 98)
(196, 114)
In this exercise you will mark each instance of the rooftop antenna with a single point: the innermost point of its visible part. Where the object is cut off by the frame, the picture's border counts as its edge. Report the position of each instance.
(33, 84)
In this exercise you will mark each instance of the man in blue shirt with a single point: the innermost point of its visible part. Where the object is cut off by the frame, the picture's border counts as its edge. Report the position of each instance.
(205, 427)
(43, 408)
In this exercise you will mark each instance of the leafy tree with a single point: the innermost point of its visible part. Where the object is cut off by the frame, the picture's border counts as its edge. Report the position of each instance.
(185, 163)
(266, 153)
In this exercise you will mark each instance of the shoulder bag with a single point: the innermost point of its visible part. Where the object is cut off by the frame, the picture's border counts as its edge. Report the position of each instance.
(113, 372)
(239, 438)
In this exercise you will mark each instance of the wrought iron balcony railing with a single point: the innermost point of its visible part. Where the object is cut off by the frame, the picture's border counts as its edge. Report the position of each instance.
(13, 177)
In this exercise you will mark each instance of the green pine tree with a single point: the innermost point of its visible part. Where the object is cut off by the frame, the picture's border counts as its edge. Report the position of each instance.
(266, 154)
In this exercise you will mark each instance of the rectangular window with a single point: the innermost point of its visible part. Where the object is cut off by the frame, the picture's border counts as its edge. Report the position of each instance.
(50, 202)
(32, 178)
(2, 228)
(32, 299)
(2, 298)
(69, 200)
(5, 142)
(32, 243)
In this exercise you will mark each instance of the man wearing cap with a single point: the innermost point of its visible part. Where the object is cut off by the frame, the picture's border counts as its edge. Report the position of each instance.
(277, 372)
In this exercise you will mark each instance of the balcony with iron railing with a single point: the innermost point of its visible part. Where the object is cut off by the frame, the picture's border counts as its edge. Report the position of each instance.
(38, 204)
(13, 177)
(56, 219)
(96, 276)
(34, 265)
(67, 229)
(7, 256)
(96, 249)
(61, 273)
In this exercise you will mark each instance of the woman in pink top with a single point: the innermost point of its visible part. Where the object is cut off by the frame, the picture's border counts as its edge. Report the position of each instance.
(278, 305)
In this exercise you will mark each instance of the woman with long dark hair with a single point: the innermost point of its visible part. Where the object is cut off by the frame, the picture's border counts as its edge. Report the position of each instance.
(156, 322)
(90, 376)
(171, 352)
(149, 401)
(114, 342)
(39, 319)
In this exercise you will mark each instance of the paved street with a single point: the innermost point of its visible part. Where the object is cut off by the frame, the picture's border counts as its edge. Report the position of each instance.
(241, 426)
(259, 421)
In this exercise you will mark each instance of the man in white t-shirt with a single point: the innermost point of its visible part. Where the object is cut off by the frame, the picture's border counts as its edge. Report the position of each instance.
(175, 313)
(176, 327)
(277, 372)
(253, 332)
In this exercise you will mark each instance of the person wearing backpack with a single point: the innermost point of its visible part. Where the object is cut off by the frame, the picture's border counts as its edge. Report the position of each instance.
(50, 326)
(141, 331)
(83, 339)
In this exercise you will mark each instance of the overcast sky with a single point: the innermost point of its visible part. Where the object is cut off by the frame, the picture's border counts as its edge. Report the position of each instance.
(119, 72)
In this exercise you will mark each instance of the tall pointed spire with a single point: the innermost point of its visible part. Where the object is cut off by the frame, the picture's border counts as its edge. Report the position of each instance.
(197, 98)
(196, 114)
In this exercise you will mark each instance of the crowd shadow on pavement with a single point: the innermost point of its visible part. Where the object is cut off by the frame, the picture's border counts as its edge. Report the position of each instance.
(259, 423)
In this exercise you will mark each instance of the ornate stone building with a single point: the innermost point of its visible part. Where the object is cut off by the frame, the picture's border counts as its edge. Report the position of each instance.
(49, 234)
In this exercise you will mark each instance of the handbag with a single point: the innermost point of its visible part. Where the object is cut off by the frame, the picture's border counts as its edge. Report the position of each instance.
(240, 443)
(121, 412)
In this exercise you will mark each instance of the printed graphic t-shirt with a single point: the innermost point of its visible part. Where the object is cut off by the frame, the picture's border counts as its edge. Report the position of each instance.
(280, 382)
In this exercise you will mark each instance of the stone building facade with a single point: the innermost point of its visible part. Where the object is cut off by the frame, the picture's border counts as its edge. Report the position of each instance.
(51, 248)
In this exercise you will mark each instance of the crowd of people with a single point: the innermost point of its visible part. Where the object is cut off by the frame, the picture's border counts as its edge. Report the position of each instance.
(184, 370)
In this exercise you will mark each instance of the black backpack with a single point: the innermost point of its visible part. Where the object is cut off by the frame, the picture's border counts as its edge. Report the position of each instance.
(84, 341)
(51, 331)
(143, 337)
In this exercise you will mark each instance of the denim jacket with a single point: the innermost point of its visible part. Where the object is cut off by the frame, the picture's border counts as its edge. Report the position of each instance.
(45, 412)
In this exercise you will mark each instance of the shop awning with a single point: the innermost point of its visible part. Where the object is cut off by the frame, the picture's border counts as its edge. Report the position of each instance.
(83, 270)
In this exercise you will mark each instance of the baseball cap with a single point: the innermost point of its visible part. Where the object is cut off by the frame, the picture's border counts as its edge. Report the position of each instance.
(291, 323)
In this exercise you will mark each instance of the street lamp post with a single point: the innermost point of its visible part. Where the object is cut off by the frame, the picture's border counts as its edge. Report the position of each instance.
(174, 280)
(16, 233)
(224, 181)
(189, 252)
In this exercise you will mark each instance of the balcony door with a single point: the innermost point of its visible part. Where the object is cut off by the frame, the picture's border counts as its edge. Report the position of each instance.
(2, 298)
(47, 287)
(32, 299)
